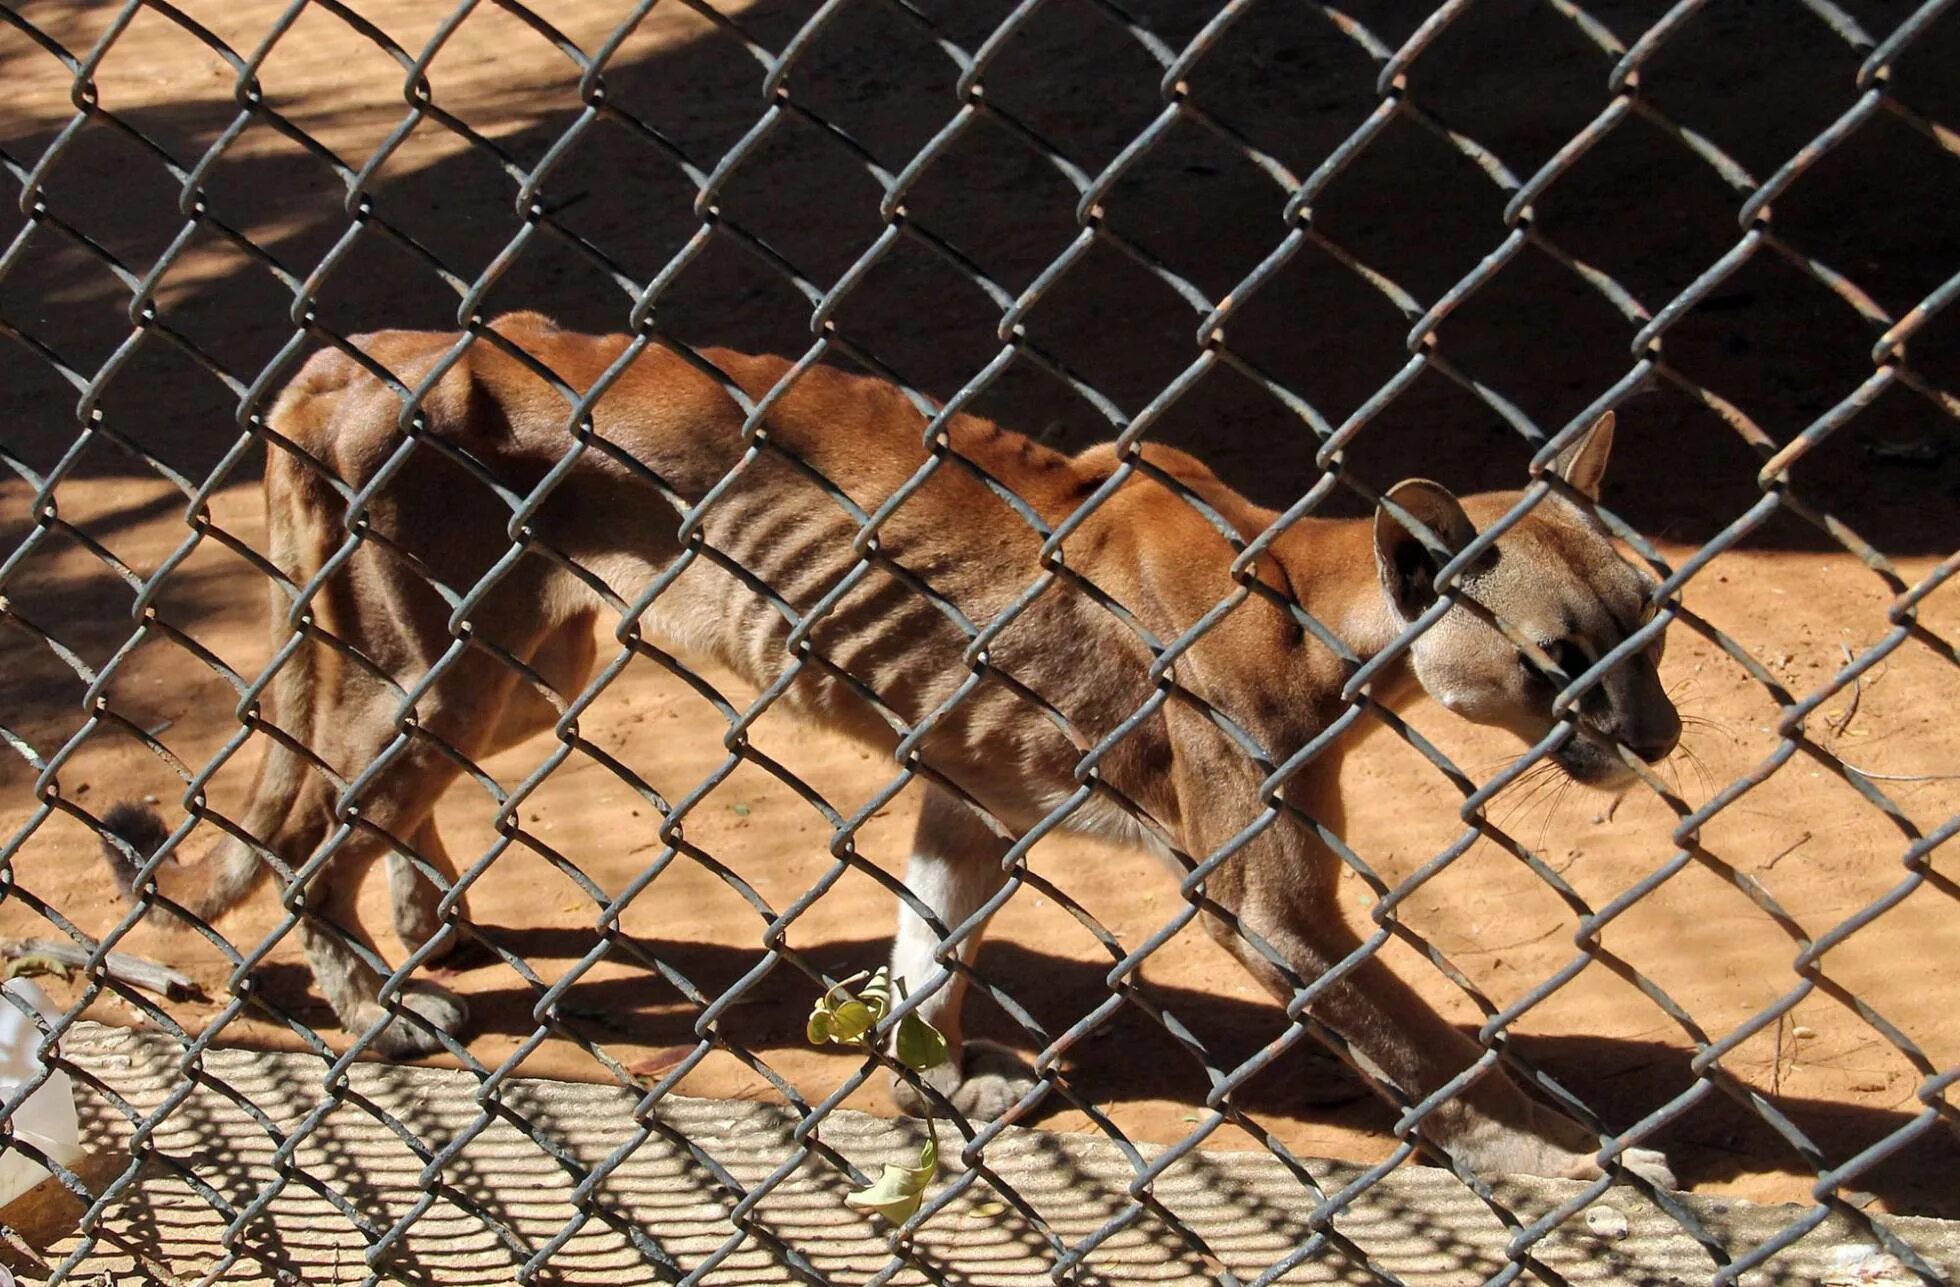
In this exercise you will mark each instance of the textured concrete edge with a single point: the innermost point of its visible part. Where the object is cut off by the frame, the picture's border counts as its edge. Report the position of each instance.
(1405, 1221)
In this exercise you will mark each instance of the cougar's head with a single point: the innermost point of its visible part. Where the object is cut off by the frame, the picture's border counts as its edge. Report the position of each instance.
(1554, 577)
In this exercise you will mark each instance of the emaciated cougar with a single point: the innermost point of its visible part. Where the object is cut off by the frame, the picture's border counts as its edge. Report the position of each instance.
(666, 432)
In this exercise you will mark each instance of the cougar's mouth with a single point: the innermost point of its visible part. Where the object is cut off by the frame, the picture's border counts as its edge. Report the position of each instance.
(1593, 762)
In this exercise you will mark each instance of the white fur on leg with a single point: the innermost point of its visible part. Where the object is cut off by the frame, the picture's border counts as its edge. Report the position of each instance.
(983, 1080)
(954, 890)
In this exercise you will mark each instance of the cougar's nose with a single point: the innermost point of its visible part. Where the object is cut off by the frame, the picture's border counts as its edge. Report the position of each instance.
(1657, 739)
(1653, 752)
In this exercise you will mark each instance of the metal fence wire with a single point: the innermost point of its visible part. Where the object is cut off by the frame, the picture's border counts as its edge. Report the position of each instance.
(977, 54)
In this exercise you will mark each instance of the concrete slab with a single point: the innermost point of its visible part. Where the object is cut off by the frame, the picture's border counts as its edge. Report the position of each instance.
(685, 1198)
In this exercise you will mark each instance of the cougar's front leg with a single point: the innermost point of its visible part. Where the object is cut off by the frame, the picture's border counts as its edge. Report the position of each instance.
(955, 869)
(1282, 887)
(1492, 1126)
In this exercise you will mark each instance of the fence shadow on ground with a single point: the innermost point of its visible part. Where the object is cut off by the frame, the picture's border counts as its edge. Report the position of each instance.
(1132, 1059)
(502, 1198)
(1774, 344)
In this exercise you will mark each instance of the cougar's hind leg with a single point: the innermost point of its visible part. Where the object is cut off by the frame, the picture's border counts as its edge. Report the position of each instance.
(402, 632)
(396, 808)
(563, 660)
(383, 619)
(346, 963)
(344, 714)
(955, 869)
(413, 897)
(331, 933)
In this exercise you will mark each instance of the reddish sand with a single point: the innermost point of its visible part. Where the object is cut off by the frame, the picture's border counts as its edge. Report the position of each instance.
(1820, 849)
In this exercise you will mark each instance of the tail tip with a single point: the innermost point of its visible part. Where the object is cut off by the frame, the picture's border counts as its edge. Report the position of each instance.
(138, 826)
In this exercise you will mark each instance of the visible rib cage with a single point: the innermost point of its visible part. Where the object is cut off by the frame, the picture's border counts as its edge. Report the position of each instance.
(780, 581)
(552, 597)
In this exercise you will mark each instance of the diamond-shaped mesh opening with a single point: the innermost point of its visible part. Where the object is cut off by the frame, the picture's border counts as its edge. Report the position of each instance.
(637, 588)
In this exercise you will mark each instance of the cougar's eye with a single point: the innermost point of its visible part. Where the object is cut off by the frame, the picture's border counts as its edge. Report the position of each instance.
(1659, 645)
(1569, 656)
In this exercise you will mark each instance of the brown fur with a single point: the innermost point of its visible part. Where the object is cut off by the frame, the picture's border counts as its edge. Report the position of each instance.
(1555, 574)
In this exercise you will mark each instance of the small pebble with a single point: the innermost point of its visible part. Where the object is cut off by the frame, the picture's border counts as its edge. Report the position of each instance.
(1802, 1033)
(1606, 1222)
(1858, 1266)
(150, 799)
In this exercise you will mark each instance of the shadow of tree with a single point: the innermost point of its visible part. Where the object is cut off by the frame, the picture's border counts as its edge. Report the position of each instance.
(1770, 341)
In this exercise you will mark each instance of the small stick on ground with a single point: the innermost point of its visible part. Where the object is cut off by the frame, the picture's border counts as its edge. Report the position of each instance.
(1786, 851)
(121, 966)
(1776, 1061)
(1842, 722)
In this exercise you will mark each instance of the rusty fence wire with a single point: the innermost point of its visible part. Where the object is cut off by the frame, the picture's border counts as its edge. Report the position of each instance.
(1392, 51)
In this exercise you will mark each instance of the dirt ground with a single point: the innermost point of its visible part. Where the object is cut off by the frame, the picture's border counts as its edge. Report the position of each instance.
(1515, 76)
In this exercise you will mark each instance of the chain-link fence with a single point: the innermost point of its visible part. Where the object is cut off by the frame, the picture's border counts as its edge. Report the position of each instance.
(1441, 244)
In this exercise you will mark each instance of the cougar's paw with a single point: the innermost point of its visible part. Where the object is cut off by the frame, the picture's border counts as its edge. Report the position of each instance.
(1579, 1146)
(989, 1080)
(1647, 1163)
(404, 1039)
(1554, 1147)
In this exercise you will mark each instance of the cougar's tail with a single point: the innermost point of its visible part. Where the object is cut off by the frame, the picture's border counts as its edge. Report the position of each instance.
(204, 889)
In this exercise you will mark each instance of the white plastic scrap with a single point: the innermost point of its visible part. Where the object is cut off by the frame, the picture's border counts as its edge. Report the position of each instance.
(47, 1119)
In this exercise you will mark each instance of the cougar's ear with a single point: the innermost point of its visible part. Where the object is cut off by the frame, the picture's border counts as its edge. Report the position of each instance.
(1583, 464)
(1407, 568)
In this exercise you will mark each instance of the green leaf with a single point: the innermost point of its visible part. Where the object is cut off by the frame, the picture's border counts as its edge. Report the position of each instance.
(877, 993)
(920, 1045)
(898, 1193)
(850, 1021)
(838, 1017)
(28, 963)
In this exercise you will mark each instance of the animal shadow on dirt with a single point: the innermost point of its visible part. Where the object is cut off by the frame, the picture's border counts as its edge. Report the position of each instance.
(1131, 1057)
